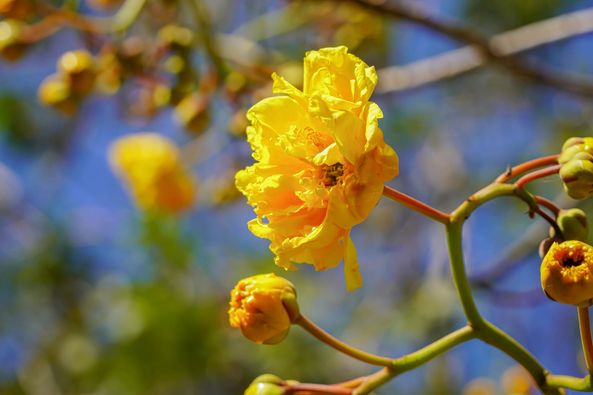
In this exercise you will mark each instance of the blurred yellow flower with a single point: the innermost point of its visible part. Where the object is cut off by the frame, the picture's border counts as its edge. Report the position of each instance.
(263, 307)
(567, 273)
(321, 162)
(151, 168)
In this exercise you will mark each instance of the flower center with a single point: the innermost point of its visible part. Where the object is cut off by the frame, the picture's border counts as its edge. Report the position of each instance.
(331, 174)
(571, 257)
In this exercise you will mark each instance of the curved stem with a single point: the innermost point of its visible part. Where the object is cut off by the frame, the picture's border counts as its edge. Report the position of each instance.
(339, 345)
(454, 230)
(547, 203)
(491, 334)
(57, 18)
(416, 205)
(536, 175)
(486, 331)
(526, 166)
(585, 330)
(415, 359)
(303, 388)
(574, 383)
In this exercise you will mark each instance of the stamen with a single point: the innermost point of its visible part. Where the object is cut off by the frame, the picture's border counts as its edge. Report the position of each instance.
(332, 174)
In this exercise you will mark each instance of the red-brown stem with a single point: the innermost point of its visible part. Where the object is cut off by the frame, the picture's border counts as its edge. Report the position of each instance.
(549, 219)
(536, 175)
(416, 205)
(547, 203)
(305, 388)
(526, 166)
(585, 329)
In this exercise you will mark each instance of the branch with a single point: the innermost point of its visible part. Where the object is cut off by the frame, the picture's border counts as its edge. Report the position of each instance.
(482, 50)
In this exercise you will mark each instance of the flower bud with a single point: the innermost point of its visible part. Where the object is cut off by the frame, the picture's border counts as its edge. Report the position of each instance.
(238, 124)
(192, 113)
(79, 67)
(573, 224)
(567, 273)
(175, 37)
(577, 177)
(55, 92)
(263, 307)
(11, 47)
(266, 384)
(109, 72)
(576, 171)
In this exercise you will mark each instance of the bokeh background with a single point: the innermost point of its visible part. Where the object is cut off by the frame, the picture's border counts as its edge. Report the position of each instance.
(98, 298)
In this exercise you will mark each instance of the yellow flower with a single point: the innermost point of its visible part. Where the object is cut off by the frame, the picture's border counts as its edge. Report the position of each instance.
(151, 168)
(567, 273)
(263, 307)
(321, 162)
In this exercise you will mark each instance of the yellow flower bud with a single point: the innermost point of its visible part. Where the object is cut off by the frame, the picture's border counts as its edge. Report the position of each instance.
(79, 67)
(266, 384)
(263, 307)
(11, 47)
(150, 166)
(567, 273)
(176, 37)
(573, 224)
(55, 92)
(109, 72)
(192, 113)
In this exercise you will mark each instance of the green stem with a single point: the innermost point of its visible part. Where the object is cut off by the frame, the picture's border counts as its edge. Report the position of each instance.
(415, 359)
(486, 331)
(339, 345)
(585, 330)
(494, 336)
(574, 383)
(454, 230)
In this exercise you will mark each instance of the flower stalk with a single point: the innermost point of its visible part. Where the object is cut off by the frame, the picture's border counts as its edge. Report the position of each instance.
(585, 330)
(536, 175)
(339, 345)
(416, 205)
(515, 171)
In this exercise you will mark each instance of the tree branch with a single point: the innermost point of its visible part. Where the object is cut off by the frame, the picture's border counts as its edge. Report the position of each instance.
(482, 50)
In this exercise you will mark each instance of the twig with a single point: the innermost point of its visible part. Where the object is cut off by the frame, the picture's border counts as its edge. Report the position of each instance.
(481, 50)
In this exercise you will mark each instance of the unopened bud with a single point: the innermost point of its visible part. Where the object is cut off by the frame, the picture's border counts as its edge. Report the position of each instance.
(11, 46)
(266, 384)
(55, 92)
(573, 224)
(264, 307)
(192, 113)
(175, 37)
(576, 171)
(79, 67)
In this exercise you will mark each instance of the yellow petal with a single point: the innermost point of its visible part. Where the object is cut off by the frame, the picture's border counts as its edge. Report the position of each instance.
(351, 269)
